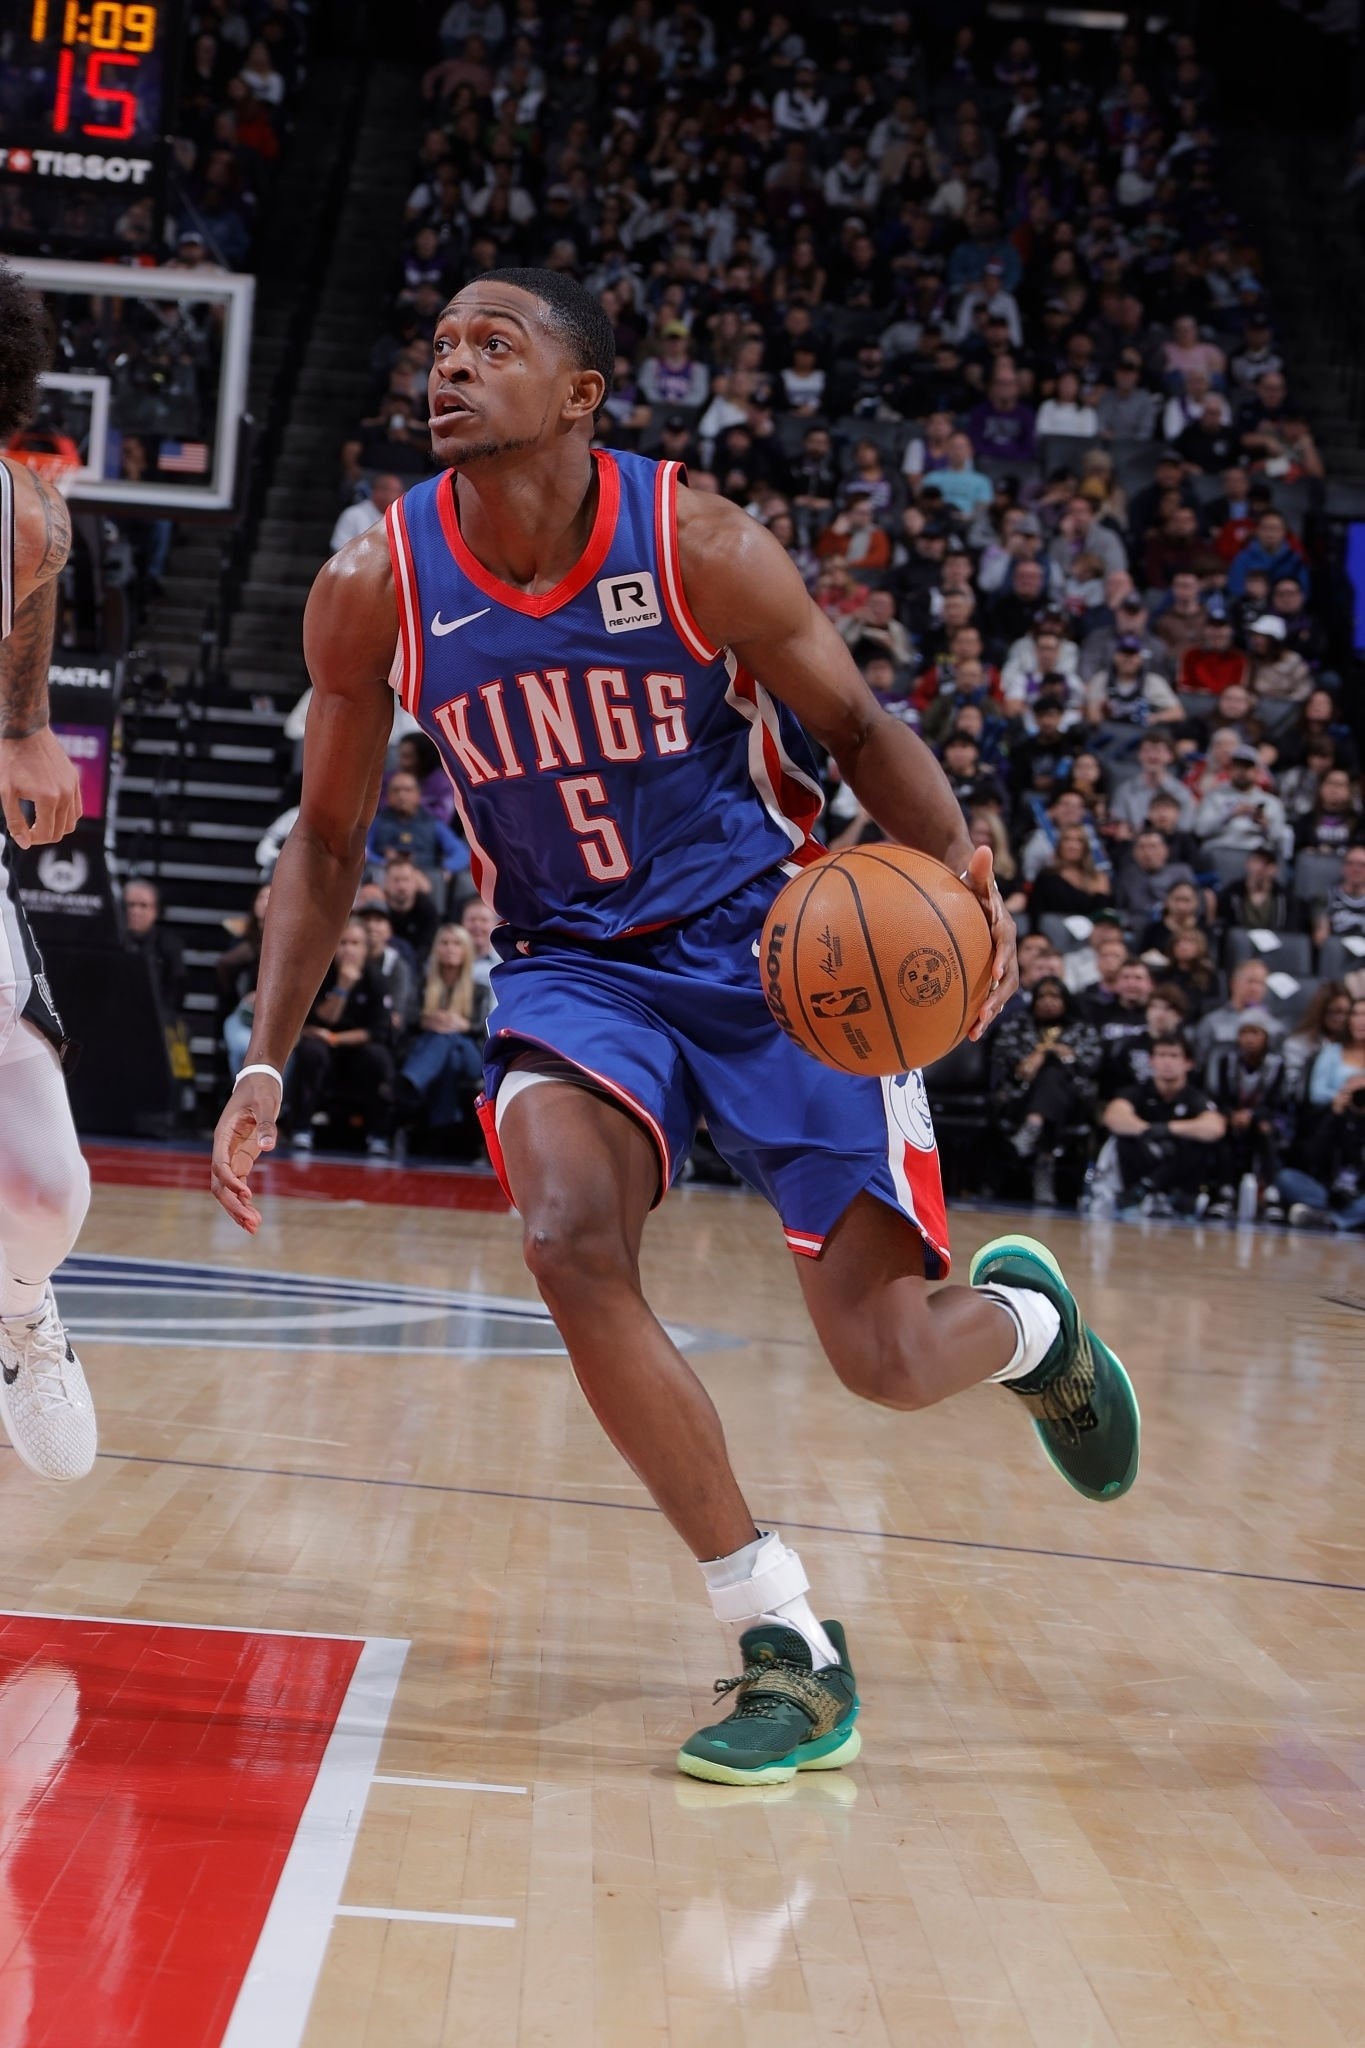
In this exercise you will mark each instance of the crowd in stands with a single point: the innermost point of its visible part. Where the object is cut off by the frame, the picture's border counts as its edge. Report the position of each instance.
(974, 330)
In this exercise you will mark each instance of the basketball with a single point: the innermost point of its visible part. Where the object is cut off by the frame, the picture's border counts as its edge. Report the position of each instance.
(877, 960)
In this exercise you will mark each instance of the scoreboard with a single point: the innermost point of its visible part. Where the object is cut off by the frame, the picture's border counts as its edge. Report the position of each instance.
(86, 99)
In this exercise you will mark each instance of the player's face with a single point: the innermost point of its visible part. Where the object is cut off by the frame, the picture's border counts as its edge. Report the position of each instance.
(500, 376)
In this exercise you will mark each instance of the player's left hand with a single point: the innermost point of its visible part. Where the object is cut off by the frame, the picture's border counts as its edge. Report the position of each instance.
(39, 771)
(980, 879)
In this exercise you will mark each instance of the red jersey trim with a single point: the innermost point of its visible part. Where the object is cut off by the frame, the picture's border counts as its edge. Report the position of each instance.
(408, 680)
(587, 566)
(670, 475)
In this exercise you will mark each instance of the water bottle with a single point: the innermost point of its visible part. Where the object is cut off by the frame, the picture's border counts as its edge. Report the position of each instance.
(1247, 1198)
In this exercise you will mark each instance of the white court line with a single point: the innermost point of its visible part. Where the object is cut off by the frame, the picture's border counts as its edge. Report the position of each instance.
(212, 1628)
(448, 1784)
(272, 2006)
(429, 1919)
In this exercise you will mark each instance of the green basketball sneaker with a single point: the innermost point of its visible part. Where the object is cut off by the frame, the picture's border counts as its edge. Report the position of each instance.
(1080, 1397)
(787, 1717)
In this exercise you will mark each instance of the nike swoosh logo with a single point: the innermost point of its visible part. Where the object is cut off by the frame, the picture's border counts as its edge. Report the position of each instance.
(11, 1373)
(440, 627)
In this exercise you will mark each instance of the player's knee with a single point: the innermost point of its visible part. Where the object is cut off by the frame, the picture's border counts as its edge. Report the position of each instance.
(52, 1194)
(574, 1254)
(890, 1369)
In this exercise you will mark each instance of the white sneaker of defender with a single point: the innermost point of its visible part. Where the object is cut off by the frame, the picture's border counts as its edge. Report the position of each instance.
(44, 1400)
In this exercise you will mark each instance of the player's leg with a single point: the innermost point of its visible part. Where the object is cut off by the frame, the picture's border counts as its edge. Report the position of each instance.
(893, 1341)
(44, 1195)
(584, 1174)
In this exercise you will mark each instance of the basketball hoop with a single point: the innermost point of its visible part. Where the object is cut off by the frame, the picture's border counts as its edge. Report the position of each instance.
(50, 455)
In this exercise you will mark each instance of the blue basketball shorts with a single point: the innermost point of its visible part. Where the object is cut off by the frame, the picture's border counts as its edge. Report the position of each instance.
(673, 1024)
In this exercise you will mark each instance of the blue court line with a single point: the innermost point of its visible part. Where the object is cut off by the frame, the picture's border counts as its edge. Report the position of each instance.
(632, 1507)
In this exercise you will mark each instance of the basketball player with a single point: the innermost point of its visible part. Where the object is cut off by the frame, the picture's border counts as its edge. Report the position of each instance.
(609, 665)
(44, 1182)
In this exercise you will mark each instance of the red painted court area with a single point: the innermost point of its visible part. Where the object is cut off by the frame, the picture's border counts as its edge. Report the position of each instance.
(309, 1180)
(151, 1782)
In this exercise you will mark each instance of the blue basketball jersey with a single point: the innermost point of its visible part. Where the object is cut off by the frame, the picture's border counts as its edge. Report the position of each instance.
(613, 771)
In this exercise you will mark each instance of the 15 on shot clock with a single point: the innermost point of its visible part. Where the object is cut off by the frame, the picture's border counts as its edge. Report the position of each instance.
(92, 71)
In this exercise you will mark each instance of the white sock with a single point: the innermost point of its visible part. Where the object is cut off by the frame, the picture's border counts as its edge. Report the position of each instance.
(766, 1581)
(20, 1300)
(1036, 1323)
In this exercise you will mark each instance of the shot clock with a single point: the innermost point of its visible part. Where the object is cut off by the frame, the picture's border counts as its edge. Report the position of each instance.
(85, 103)
(103, 87)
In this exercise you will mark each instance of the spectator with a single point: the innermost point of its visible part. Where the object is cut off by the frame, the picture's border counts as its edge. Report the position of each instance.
(1044, 1062)
(417, 756)
(1270, 553)
(1155, 765)
(1002, 425)
(144, 933)
(1190, 970)
(1342, 914)
(445, 1064)
(1128, 698)
(1247, 1082)
(1085, 552)
(673, 377)
(1215, 663)
(1279, 677)
(1070, 885)
(412, 913)
(1331, 1193)
(401, 825)
(1181, 624)
(367, 511)
(1239, 814)
(344, 1052)
(1247, 990)
(1119, 1014)
(1166, 1132)
(1334, 823)
(1065, 412)
(394, 967)
(1041, 655)
(959, 482)
(1324, 1022)
(1182, 910)
(1259, 901)
(1125, 411)
(1127, 619)
(479, 925)
(1146, 879)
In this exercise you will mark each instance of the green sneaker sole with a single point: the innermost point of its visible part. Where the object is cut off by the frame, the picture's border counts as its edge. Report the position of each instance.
(1034, 1253)
(830, 1753)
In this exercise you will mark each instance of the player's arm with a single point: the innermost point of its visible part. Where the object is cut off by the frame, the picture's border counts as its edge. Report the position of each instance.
(746, 594)
(34, 767)
(349, 630)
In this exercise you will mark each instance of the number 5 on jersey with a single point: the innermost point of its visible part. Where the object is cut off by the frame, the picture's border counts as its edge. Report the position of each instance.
(600, 842)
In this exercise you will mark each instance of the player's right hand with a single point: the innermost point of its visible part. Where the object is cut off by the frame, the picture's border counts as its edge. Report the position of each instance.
(245, 1130)
(39, 771)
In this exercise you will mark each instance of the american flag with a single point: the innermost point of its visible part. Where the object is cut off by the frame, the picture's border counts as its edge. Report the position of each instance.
(184, 458)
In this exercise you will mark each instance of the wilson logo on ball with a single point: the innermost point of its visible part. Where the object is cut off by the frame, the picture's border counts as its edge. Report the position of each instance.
(839, 1002)
(925, 976)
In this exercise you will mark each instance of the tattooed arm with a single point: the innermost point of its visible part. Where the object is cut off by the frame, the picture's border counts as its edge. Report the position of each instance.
(34, 768)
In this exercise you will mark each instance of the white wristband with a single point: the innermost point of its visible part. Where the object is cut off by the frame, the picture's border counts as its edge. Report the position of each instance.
(260, 1067)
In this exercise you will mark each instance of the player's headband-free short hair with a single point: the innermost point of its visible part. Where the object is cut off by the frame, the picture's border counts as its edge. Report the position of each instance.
(24, 350)
(571, 310)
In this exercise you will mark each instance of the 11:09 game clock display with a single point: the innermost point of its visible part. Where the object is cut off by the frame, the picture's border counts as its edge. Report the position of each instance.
(83, 87)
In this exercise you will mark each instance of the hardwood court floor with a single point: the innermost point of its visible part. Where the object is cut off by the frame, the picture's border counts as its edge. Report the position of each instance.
(1113, 1782)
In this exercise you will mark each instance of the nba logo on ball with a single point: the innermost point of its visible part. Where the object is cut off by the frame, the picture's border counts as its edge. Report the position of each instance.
(630, 602)
(925, 976)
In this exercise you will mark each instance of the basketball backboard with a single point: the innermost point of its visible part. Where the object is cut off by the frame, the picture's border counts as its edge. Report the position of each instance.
(149, 381)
